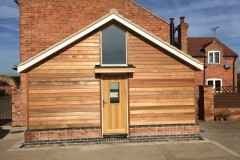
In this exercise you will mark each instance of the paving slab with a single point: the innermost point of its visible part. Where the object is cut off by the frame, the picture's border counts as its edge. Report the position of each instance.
(212, 147)
(225, 133)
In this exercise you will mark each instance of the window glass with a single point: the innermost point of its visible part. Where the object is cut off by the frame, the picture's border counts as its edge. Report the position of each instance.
(217, 83)
(216, 57)
(210, 57)
(114, 92)
(113, 46)
(210, 83)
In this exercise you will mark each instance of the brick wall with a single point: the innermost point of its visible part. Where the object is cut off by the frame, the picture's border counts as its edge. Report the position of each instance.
(199, 78)
(206, 103)
(164, 130)
(16, 108)
(183, 35)
(211, 105)
(19, 103)
(151, 133)
(7, 90)
(44, 23)
(233, 113)
(62, 18)
(60, 134)
(216, 71)
(227, 104)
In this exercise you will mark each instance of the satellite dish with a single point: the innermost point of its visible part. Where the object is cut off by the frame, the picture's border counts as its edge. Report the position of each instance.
(227, 65)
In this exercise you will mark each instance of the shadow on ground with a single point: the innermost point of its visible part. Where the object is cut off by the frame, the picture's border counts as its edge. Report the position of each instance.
(4, 122)
(3, 132)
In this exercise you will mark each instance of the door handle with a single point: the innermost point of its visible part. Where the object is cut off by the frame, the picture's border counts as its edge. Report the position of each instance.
(104, 103)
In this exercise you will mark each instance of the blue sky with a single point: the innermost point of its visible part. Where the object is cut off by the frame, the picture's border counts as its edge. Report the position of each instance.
(200, 15)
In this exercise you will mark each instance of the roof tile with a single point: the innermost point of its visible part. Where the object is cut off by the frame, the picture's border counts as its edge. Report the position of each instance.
(197, 44)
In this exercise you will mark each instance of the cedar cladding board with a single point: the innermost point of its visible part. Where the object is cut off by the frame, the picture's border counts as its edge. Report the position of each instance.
(158, 78)
(61, 92)
(44, 23)
(64, 93)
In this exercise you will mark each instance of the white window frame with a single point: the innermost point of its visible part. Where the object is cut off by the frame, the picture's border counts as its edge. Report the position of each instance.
(126, 48)
(214, 82)
(213, 52)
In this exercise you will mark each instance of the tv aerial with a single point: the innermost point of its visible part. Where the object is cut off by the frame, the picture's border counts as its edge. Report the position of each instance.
(215, 30)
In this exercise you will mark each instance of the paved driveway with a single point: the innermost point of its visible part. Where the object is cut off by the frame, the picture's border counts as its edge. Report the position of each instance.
(214, 146)
(226, 133)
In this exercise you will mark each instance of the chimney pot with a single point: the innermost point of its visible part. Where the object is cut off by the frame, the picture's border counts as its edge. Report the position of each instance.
(182, 19)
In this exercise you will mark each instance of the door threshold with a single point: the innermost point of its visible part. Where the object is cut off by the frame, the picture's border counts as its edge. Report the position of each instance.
(125, 135)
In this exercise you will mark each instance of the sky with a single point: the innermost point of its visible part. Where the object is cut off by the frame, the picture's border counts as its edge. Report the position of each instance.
(201, 16)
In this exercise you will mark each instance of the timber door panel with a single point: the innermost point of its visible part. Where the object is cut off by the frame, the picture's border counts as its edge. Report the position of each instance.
(114, 104)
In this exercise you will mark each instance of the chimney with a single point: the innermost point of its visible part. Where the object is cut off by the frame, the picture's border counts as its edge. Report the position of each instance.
(171, 31)
(183, 35)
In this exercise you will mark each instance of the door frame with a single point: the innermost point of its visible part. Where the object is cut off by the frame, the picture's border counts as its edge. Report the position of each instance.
(127, 97)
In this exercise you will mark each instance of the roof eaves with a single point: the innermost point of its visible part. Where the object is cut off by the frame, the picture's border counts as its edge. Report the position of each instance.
(230, 55)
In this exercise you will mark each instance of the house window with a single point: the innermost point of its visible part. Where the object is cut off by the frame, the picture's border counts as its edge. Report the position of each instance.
(114, 46)
(214, 57)
(216, 83)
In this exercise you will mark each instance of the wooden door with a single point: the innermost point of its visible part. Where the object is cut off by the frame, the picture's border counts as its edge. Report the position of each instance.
(114, 104)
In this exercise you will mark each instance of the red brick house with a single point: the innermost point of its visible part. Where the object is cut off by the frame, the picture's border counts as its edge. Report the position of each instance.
(220, 62)
(93, 72)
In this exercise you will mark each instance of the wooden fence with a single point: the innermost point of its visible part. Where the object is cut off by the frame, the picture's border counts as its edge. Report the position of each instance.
(227, 102)
(5, 108)
(227, 97)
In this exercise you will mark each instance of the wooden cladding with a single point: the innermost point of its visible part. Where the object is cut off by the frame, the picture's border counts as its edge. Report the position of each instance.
(63, 91)
(162, 88)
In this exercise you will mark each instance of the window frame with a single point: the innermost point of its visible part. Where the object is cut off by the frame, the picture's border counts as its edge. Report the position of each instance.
(126, 47)
(213, 53)
(214, 83)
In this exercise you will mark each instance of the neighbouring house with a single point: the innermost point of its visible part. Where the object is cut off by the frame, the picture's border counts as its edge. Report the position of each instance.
(220, 63)
(91, 72)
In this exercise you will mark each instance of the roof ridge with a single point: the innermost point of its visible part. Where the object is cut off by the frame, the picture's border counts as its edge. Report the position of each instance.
(218, 41)
(206, 41)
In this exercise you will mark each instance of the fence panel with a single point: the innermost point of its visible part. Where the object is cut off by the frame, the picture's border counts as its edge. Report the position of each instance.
(5, 107)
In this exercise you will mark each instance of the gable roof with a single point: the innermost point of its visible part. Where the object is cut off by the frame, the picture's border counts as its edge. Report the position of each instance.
(197, 44)
(113, 15)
